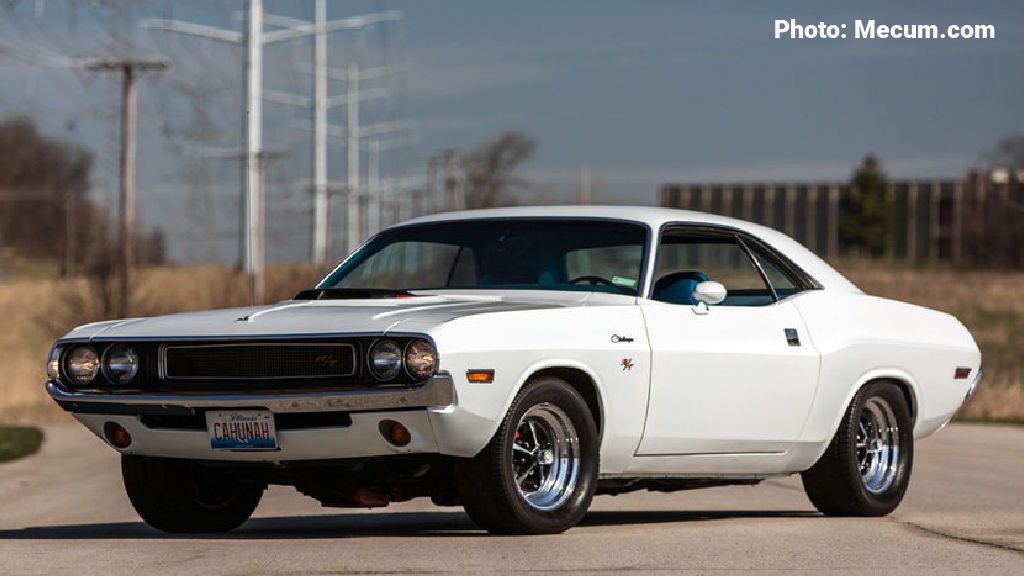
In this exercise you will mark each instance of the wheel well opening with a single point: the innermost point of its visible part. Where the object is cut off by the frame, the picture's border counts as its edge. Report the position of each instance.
(908, 393)
(582, 382)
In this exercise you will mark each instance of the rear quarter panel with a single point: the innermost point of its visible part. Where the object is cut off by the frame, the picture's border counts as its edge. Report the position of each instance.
(862, 338)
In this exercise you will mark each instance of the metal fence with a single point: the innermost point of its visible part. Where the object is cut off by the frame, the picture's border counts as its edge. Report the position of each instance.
(978, 220)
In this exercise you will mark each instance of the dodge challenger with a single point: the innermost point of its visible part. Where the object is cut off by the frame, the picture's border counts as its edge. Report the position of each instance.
(518, 362)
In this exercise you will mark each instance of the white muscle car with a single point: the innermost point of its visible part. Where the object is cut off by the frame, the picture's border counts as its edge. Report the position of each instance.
(519, 361)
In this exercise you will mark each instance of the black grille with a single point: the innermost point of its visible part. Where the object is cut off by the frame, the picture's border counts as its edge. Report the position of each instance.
(262, 361)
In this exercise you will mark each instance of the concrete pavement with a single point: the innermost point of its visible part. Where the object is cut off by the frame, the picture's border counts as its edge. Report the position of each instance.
(64, 511)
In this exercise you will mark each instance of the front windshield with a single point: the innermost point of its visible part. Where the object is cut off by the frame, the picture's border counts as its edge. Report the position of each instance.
(507, 254)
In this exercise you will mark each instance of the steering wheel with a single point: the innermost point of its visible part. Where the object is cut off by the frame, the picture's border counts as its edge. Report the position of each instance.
(594, 280)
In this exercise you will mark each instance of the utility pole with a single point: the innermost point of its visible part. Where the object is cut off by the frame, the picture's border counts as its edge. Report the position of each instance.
(128, 70)
(354, 136)
(586, 186)
(321, 216)
(454, 181)
(321, 235)
(252, 218)
(352, 167)
(373, 187)
(433, 190)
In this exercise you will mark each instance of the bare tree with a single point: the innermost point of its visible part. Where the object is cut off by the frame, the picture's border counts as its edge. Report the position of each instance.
(490, 169)
(43, 187)
(45, 209)
(1008, 153)
(994, 235)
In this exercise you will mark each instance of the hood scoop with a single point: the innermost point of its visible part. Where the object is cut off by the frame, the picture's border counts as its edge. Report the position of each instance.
(351, 294)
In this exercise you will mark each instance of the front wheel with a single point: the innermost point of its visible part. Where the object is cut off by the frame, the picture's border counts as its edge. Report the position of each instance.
(866, 468)
(179, 496)
(539, 472)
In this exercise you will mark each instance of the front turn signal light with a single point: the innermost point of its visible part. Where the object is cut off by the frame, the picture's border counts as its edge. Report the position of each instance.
(117, 435)
(480, 376)
(395, 433)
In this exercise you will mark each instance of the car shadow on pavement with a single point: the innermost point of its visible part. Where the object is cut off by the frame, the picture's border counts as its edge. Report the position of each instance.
(393, 524)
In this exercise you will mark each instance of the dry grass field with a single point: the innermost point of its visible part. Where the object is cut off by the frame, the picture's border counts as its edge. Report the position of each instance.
(37, 311)
(34, 312)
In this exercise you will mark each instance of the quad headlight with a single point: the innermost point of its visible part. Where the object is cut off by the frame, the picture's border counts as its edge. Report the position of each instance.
(385, 360)
(120, 364)
(82, 364)
(420, 359)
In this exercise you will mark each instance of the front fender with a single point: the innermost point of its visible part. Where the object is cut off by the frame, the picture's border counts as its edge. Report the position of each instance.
(465, 428)
(582, 341)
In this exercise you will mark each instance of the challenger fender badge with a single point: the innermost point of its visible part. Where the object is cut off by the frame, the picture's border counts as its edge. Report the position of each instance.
(616, 338)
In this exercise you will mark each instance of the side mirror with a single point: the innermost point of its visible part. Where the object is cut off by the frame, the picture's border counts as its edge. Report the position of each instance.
(708, 293)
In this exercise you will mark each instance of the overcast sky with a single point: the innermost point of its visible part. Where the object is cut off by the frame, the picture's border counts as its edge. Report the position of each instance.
(644, 92)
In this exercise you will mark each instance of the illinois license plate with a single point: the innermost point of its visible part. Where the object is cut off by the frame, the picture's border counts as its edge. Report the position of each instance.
(241, 430)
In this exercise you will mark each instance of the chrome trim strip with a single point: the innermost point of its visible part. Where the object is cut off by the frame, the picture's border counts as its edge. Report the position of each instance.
(974, 383)
(163, 374)
(326, 336)
(436, 392)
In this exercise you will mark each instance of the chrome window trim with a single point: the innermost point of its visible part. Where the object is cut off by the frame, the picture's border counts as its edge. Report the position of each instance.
(807, 281)
(646, 257)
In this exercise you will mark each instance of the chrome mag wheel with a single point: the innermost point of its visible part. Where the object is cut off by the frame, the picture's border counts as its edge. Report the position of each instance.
(545, 456)
(878, 446)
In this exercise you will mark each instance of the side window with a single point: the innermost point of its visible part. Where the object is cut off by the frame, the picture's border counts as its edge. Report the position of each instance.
(686, 259)
(785, 284)
(618, 264)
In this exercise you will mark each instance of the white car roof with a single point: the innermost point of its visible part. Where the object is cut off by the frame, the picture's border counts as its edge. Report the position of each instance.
(655, 217)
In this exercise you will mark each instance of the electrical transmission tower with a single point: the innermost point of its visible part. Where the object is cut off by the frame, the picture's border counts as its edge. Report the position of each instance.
(254, 38)
(353, 132)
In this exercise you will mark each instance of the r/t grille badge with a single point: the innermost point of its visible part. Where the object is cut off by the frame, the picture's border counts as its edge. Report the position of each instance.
(326, 360)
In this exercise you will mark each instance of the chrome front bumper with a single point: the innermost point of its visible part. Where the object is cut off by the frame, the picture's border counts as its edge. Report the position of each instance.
(439, 391)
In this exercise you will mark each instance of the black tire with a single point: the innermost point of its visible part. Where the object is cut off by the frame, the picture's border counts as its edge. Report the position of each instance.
(179, 496)
(487, 483)
(838, 484)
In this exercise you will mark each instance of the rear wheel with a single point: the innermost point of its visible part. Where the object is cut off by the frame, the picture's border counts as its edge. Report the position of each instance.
(539, 472)
(866, 468)
(179, 496)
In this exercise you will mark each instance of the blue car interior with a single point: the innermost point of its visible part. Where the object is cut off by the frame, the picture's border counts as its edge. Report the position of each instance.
(677, 288)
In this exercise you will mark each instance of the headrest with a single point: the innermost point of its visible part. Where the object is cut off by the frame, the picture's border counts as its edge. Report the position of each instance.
(677, 288)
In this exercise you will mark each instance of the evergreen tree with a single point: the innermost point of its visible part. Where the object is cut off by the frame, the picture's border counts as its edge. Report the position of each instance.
(866, 223)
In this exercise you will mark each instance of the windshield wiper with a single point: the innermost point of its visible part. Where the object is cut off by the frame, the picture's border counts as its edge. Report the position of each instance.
(351, 294)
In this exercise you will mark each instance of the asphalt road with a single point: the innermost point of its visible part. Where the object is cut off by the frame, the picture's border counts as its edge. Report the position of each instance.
(64, 511)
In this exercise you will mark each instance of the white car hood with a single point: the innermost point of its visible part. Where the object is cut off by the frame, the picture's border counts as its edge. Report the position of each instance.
(322, 317)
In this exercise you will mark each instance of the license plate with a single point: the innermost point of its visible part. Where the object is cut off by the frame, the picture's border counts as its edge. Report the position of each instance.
(241, 430)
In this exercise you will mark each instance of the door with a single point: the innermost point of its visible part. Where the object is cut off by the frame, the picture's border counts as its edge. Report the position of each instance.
(737, 377)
